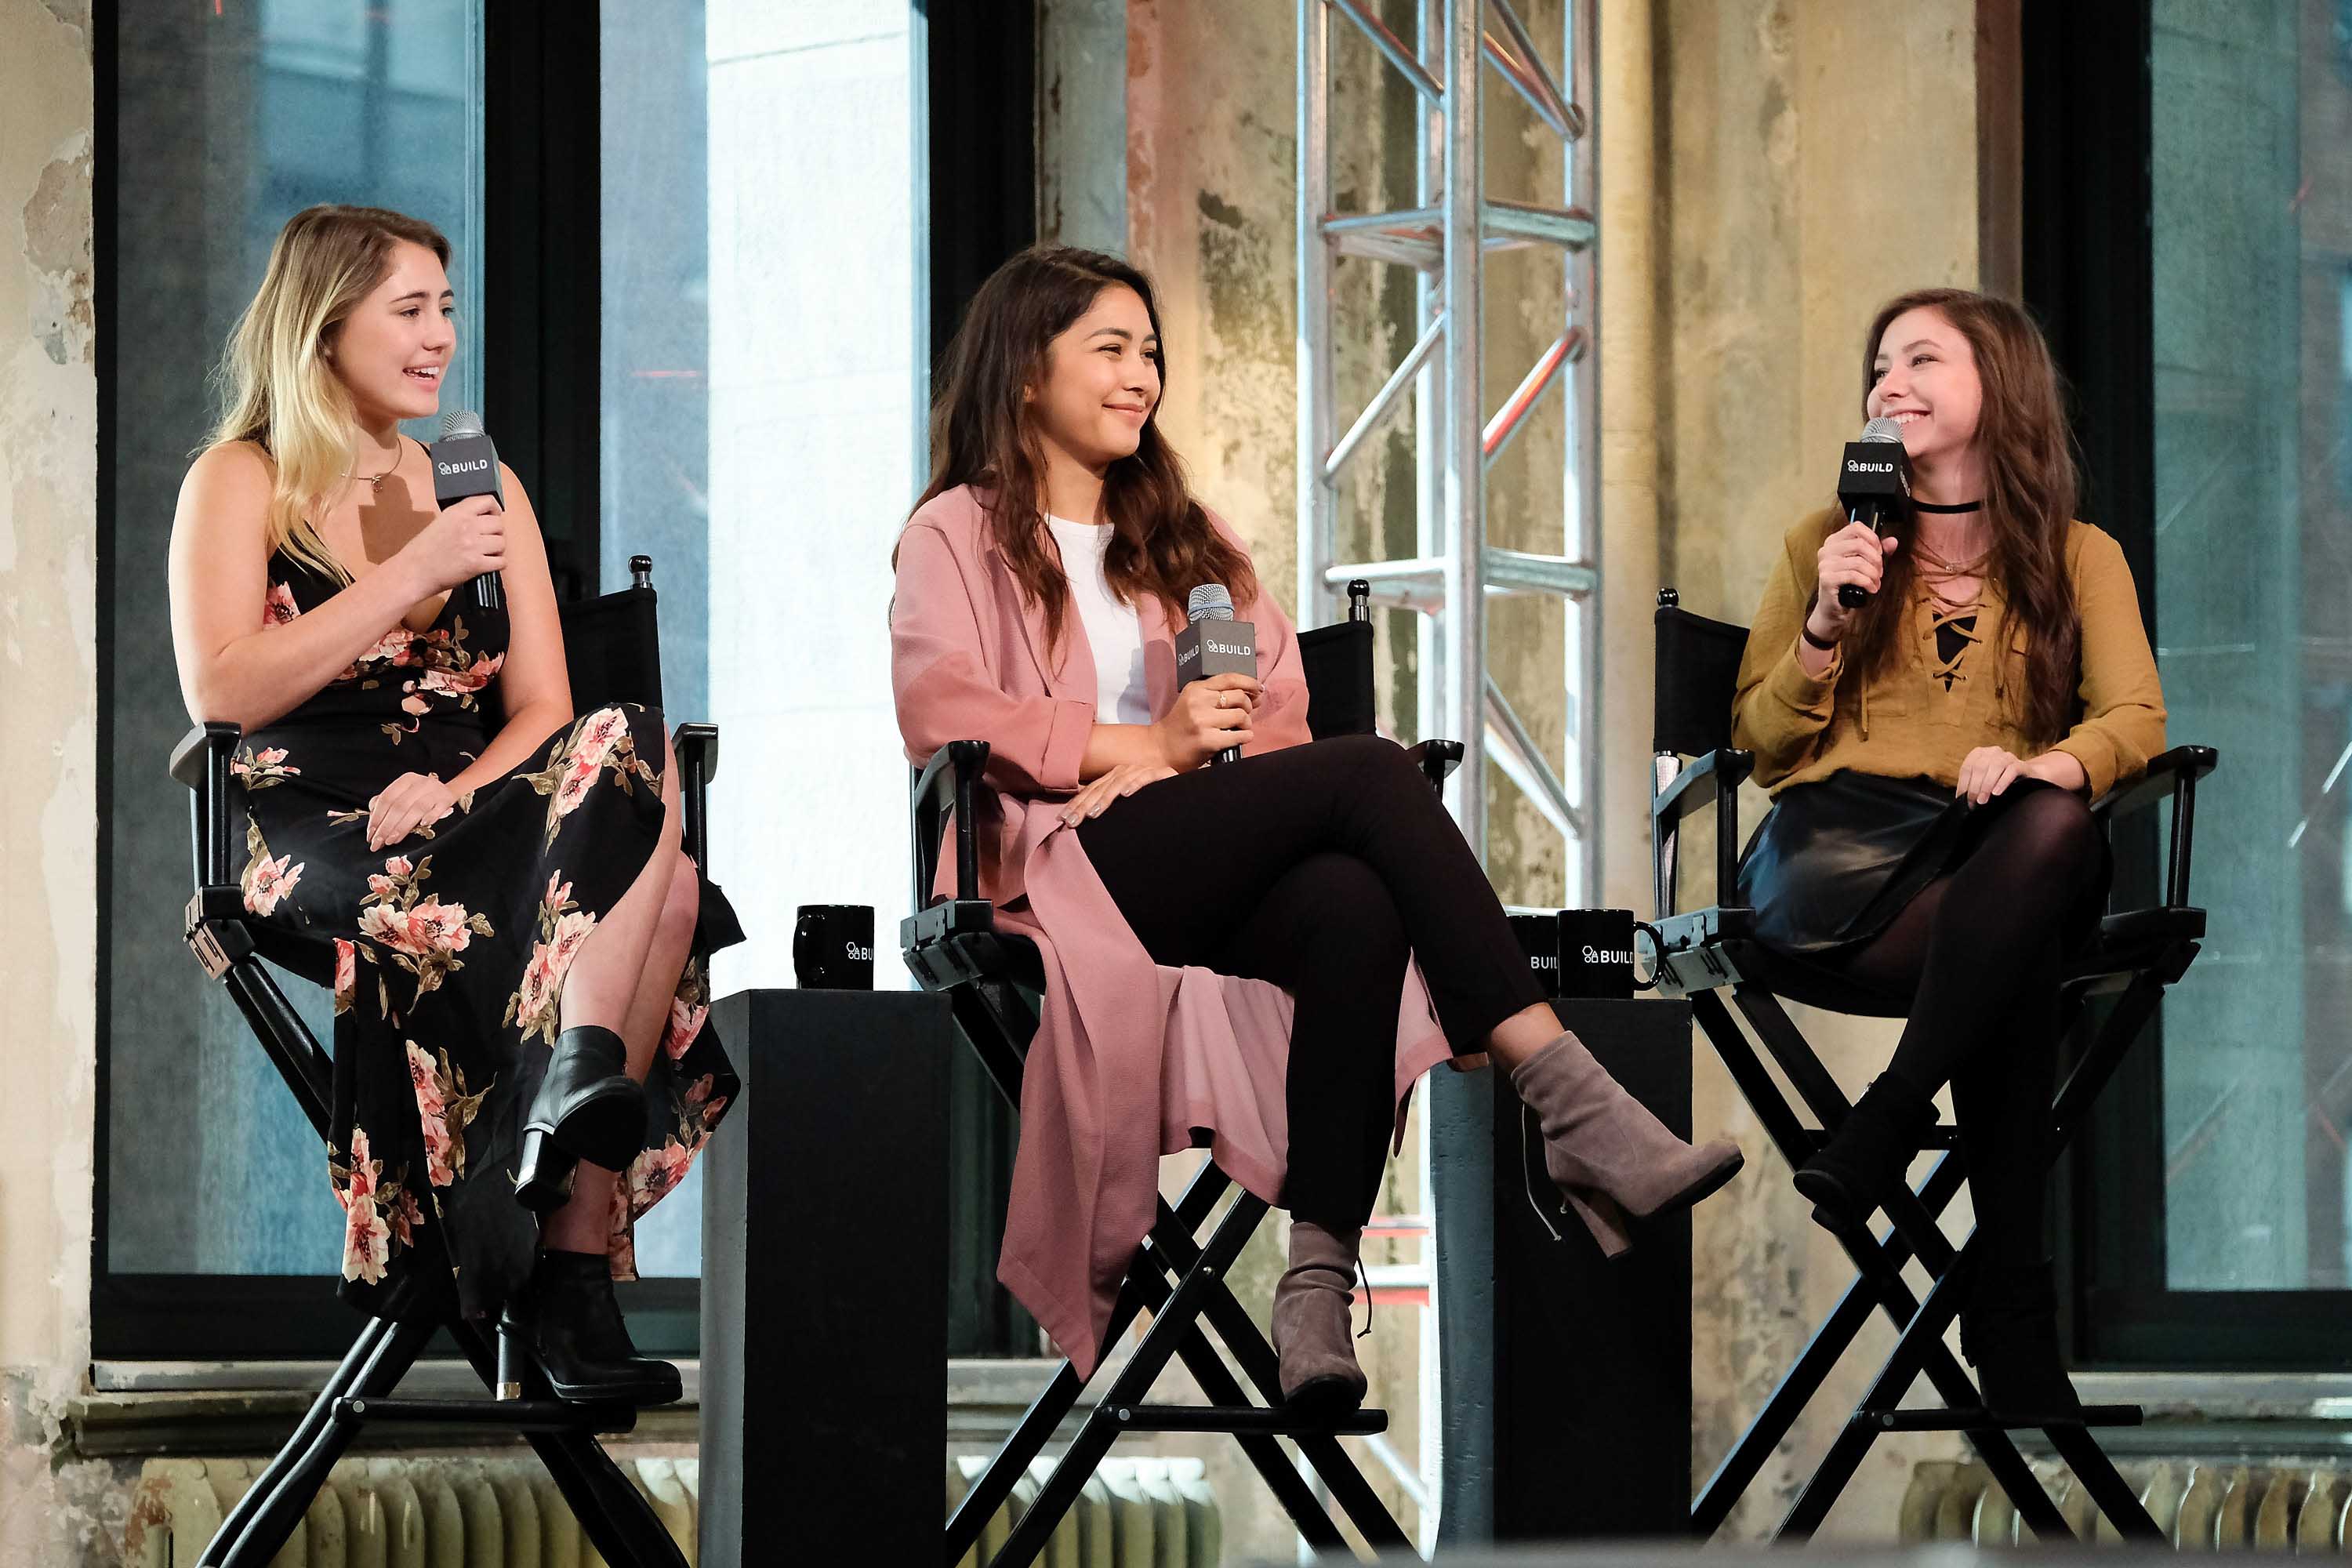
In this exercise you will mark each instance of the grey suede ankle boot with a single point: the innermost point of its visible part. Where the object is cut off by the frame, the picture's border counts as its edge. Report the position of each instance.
(1609, 1156)
(1314, 1321)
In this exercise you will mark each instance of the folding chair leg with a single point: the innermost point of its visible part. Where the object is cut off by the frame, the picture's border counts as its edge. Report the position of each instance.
(1273, 1467)
(612, 1514)
(339, 1383)
(2099, 1477)
(1129, 1389)
(1011, 1461)
(1919, 1350)
(1878, 1268)
(1046, 1412)
(271, 1508)
(1829, 1105)
(1331, 1460)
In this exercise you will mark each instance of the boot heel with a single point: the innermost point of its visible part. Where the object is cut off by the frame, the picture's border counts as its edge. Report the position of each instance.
(1602, 1217)
(544, 1179)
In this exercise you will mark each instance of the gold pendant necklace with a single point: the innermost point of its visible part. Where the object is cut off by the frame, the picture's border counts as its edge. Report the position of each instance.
(375, 481)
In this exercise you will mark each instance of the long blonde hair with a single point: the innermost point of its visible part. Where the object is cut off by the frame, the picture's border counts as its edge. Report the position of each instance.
(277, 389)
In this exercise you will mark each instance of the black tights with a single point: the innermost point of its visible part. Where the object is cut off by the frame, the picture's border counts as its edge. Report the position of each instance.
(1318, 868)
(1980, 950)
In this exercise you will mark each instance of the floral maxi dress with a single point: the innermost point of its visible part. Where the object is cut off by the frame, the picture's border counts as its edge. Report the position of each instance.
(451, 947)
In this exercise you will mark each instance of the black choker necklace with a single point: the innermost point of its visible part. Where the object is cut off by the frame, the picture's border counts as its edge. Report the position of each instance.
(1964, 506)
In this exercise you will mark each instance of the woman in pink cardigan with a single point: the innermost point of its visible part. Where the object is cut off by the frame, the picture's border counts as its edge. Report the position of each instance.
(1238, 951)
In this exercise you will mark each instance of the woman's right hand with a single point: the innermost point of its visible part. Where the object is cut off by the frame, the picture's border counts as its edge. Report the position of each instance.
(1856, 555)
(1209, 716)
(463, 543)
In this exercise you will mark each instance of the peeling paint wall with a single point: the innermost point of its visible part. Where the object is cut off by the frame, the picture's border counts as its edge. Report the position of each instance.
(48, 715)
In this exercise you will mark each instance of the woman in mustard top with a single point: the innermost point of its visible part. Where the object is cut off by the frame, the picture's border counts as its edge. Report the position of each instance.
(1931, 755)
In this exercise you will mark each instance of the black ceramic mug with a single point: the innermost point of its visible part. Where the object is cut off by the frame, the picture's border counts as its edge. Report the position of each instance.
(1539, 935)
(1596, 954)
(833, 947)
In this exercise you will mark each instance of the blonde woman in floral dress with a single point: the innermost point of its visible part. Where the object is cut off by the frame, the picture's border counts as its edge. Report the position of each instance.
(523, 1062)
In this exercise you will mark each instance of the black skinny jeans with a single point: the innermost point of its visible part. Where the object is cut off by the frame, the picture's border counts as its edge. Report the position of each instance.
(1318, 868)
(1979, 950)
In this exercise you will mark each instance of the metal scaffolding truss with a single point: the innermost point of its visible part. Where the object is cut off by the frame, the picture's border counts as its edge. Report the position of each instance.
(1446, 239)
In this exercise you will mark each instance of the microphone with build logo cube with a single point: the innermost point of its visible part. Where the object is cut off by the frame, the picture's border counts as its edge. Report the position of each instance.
(1214, 644)
(464, 465)
(1874, 486)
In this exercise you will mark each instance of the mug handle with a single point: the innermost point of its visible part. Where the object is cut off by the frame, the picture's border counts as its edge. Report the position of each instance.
(1657, 946)
(804, 950)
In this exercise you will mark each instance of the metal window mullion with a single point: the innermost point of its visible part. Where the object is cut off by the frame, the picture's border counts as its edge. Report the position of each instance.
(1316, 498)
(1464, 624)
(1581, 486)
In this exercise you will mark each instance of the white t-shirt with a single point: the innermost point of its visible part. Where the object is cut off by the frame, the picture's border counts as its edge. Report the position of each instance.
(1114, 631)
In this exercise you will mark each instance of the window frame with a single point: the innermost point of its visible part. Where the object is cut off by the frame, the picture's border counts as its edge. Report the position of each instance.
(2087, 200)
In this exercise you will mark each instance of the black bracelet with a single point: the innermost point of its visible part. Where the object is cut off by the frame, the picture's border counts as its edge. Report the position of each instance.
(1805, 631)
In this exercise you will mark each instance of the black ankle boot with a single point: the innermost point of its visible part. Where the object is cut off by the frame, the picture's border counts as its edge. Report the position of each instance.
(2008, 1331)
(586, 1109)
(1867, 1155)
(569, 1319)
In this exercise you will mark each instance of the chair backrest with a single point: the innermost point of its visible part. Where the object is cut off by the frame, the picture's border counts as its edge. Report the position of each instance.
(1698, 674)
(1338, 662)
(612, 644)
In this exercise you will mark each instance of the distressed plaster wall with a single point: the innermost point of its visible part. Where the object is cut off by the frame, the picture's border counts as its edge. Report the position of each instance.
(48, 718)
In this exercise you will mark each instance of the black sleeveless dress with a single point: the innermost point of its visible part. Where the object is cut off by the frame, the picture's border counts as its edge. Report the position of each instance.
(451, 947)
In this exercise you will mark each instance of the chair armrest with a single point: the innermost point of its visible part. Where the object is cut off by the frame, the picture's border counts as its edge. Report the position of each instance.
(1437, 760)
(1699, 783)
(697, 748)
(1715, 777)
(201, 761)
(947, 783)
(205, 751)
(2175, 774)
(2179, 768)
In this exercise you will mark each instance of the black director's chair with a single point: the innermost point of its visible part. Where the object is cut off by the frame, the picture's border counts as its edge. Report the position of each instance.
(995, 983)
(613, 652)
(1705, 953)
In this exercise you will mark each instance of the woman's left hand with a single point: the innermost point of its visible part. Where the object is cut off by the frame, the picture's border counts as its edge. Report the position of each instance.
(1121, 781)
(1988, 771)
(407, 802)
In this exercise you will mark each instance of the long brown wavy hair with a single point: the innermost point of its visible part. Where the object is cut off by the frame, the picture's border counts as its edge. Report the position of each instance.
(1162, 544)
(2023, 441)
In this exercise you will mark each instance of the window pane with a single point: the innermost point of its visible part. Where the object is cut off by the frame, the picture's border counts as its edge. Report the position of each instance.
(758, 320)
(230, 121)
(654, 399)
(2253, 235)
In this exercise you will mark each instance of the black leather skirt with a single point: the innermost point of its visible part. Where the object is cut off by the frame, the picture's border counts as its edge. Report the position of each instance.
(1834, 862)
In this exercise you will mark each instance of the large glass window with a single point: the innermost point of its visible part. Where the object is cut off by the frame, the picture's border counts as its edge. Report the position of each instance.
(2252, 232)
(229, 119)
(654, 397)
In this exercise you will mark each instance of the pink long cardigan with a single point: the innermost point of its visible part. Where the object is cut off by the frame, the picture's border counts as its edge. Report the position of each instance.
(1131, 1056)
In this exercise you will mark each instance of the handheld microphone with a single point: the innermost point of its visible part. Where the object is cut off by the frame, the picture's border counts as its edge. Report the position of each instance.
(1873, 482)
(465, 464)
(1214, 644)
